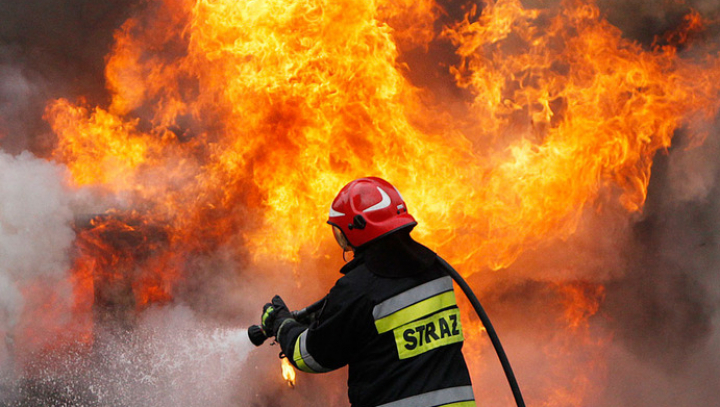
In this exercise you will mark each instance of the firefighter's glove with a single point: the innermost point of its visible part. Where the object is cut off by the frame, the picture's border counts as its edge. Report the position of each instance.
(274, 313)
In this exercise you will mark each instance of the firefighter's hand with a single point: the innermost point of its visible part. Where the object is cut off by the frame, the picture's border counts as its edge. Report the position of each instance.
(274, 313)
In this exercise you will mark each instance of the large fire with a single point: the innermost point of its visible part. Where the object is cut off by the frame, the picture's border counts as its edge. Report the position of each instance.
(233, 124)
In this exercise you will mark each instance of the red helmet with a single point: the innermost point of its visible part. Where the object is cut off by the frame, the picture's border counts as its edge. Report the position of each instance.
(366, 209)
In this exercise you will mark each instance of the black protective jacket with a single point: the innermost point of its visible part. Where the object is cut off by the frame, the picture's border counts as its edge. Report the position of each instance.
(393, 319)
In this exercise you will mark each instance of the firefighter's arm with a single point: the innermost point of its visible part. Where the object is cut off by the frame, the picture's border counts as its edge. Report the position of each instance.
(329, 342)
(277, 321)
(292, 337)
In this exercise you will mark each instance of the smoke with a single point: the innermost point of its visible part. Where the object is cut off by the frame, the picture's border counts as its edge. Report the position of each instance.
(35, 232)
(665, 310)
(51, 49)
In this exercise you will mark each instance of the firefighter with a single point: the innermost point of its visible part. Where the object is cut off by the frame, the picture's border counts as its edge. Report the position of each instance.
(392, 317)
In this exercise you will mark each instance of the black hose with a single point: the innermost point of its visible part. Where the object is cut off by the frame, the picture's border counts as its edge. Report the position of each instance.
(490, 331)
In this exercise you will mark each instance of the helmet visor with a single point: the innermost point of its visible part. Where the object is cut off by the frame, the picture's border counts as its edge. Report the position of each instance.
(341, 239)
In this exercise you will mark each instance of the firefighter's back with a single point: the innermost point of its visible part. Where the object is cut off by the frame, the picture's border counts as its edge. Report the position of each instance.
(405, 337)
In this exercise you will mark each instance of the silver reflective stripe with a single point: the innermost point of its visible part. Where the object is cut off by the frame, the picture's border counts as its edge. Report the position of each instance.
(412, 296)
(435, 398)
(307, 357)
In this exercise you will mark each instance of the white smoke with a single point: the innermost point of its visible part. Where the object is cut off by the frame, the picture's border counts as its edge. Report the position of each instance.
(35, 231)
(35, 217)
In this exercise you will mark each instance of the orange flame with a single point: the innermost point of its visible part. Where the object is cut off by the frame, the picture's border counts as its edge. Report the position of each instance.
(288, 372)
(558, 120)
(239, 121)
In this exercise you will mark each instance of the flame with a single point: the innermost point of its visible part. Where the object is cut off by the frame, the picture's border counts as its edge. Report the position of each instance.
(576, 113)
(235, 123)
(288, 372)
(594, 109)
(581, 301)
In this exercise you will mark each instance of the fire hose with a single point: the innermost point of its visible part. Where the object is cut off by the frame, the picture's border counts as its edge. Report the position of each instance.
(489, 329)
(257, 335)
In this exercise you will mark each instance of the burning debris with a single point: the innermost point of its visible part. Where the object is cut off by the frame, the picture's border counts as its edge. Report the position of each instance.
(560, 154)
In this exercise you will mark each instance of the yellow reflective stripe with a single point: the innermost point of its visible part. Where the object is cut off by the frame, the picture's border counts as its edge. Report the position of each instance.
(415, 311)
(297, 356)
(303, 359)
(266, 314)
(440, 329)
(470, 403)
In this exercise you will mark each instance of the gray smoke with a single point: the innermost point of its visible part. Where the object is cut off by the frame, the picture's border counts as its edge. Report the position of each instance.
(665, 310)
(644, 20)
(51, 49)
